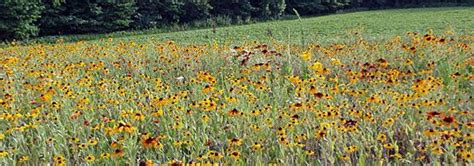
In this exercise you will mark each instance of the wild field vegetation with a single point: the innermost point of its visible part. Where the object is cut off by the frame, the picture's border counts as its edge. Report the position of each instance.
(375, 94)
(374, 25)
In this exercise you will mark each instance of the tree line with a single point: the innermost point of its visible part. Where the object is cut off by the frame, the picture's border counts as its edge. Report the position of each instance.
(22, 19)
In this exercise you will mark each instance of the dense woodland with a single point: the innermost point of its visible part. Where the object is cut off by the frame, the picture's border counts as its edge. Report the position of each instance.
(22, 19)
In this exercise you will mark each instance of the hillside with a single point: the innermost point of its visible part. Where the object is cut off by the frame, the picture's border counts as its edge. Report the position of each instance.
(379, 24)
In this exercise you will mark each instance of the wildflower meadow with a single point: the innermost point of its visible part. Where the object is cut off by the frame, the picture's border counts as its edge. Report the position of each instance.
(404, 99)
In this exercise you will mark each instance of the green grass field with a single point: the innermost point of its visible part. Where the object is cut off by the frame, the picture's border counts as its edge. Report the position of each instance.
(366, 88)
(374, 24)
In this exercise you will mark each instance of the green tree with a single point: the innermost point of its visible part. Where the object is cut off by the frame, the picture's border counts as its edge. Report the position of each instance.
(236, 9)
(195, 10)
(268, 9)
(307, 7)
(115, 16)
(86, 16)
(17, 19)
(151, 13)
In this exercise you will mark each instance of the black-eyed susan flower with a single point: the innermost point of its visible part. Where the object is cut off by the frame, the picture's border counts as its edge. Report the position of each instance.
(105, 155)
(321, 134)
(468, 136)
(235, 112)
(388, 146)
(3, 153)
(430, 132)
(138, 116)
(467, 155)
(213, 155)
(235, 155)
(310, 152)
(24, 158)
(344, 158)
(175, 163)
(150, 142)
(388, 122)
(373, 99)
(350, 149)
(118, 153)
(92, 142)
(148, 163)
(89, 158)
(396, 156)
(74, 140)
(82, 146)
(382, 137)
(201, 157)
(256, 146)
(437, 150)
(59, 160)
(235, 142)
(448, 120)
(306, 55)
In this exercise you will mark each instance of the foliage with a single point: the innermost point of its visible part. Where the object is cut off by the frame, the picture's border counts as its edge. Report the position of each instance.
(268, 9)
(152, 13)
(17, 19)
(195, 10)
(306, 7)
(86, 17)
(115, 16)
(237, 10)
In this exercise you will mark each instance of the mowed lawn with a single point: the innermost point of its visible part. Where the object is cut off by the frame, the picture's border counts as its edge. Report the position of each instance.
(365, 88)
